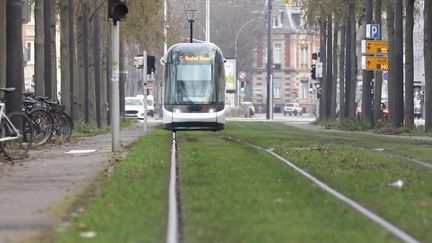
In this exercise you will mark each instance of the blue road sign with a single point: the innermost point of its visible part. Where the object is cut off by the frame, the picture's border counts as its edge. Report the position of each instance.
(373, 31)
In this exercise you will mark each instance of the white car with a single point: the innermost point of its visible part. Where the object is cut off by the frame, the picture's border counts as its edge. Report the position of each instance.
(293, 109)
(134, 107)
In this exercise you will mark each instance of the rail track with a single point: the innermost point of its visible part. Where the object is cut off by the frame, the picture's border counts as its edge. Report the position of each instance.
(175, 234)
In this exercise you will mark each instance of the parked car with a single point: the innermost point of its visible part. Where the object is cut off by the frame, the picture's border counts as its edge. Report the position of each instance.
(292, 109)
(134, 106)
(250, 108)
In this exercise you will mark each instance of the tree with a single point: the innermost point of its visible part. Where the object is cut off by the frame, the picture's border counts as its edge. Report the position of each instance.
(398, 65)
(428, 63)
(39, 72)
(2, 45)
(409, 64)
(14, 55)
(378, 74)
(391, 62)
(65, 59)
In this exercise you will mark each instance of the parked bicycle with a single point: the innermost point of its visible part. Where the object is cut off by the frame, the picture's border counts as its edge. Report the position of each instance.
(16, 131)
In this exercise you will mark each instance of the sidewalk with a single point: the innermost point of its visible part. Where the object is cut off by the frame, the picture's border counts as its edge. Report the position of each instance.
(30, 187)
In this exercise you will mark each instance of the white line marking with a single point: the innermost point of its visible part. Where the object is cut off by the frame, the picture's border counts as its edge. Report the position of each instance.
(422, 163)
(81, 151)
(172, 235)
(377, 219)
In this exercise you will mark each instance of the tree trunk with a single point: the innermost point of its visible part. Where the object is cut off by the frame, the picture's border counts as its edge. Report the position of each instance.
(39, 71)
(72, 62)
(366, 105)
(428, 63)
(399, 79)
(342, 80)
(84, 87)
(353, 78)
(53, 45)
(64, 55)
(323, 59)
(47, 44)
(391, 62)
(348, 66)
(335, 72)
(14, 55)
(2, 45)
(97, 66)
(409, 64)
(122, 80)
(329, 65)
(79, 85)
(378, 74)
(91, 86)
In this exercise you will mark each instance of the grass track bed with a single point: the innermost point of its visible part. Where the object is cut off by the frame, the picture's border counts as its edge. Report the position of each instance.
(348, 163)
(233, 193)
(131, 207)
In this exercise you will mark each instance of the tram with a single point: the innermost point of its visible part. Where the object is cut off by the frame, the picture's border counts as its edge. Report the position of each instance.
(194, 87)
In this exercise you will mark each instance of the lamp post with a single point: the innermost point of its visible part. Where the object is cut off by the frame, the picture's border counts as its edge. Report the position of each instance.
(235, 56)
(190, 14)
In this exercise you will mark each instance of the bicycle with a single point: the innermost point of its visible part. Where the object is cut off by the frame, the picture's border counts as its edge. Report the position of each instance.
(16, 131)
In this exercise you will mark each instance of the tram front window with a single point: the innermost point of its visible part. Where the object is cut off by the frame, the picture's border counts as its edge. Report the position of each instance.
(194, 83)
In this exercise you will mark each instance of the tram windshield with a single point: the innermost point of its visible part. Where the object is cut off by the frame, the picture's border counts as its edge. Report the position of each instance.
(194, 83)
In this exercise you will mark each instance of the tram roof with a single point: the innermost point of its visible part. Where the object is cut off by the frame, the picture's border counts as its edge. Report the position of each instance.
(194, 47)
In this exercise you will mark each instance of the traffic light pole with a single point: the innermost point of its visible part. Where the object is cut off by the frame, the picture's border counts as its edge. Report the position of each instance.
(145, 90)
(115, 92)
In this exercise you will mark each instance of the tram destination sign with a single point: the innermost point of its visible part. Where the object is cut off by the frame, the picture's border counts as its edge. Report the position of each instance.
(369, 47)
(194, 58)
(374, 63)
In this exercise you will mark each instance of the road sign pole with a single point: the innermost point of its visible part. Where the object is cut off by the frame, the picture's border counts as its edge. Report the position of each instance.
(145, 90)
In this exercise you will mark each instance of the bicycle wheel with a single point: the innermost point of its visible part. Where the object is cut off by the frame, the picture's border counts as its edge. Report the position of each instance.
(62, 130)
(19, 147)
(43, 125)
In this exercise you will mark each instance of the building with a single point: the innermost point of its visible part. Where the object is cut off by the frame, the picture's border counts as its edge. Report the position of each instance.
(293, 46)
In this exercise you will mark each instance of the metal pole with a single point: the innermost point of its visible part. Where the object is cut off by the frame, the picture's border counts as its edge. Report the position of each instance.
(207, 37)
(145, 90)
(269, 114)
(165, 26)
(115, 111)
(191, 29)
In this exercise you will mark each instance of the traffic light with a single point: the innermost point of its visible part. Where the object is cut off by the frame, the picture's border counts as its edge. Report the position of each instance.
(314, 56)
(117, 10)
(313, 71)
(151, 68)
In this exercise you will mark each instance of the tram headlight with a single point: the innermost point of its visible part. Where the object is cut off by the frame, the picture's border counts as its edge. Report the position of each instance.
(177, 110)
(211, 110)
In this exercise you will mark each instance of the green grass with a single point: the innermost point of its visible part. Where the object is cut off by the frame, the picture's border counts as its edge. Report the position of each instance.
(131, 205)
(348, 162)
(233, 193)
(82, 129)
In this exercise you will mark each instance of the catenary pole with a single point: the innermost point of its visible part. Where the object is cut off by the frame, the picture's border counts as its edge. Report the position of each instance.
(269, 114)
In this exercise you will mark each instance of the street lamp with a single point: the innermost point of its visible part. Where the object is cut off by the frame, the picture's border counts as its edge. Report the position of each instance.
(190, 15)
(235, 56)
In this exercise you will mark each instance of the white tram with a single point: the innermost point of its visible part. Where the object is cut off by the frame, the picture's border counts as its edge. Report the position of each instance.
(194, 94)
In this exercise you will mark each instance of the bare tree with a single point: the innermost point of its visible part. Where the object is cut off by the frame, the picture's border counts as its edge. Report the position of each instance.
(39, 72)
(65, 55)
(378, 74)
(2, 45)
(428, 63)
(409, 64)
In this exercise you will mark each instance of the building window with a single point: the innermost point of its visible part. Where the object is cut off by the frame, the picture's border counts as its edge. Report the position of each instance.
(277, 89)
(304, 88)
(304, 56)
(277, 56)
(277, 21)
(29, 52)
